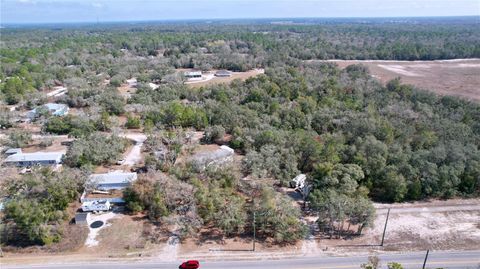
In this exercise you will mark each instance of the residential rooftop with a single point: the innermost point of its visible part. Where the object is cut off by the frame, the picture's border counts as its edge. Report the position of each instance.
(115, 177)
(35, 157)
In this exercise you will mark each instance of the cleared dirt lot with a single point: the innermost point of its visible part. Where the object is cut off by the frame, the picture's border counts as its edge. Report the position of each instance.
(446, 77)
(211, 79)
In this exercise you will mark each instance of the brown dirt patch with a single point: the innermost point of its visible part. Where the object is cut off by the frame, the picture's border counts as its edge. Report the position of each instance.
(235, 75)
(450, 77)
(123, 235)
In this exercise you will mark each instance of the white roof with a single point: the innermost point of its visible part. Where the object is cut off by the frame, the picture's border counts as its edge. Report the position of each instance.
(190, 73)
(55, 109)
(115, 177)
(153, 86)
(13, 151)
(37, 156)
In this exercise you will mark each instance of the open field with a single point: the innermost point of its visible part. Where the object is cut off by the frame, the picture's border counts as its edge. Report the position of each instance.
(446, 77)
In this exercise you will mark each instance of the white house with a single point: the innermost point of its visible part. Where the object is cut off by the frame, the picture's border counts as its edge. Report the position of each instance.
(193, 74)
(37, 158)
(116, 180)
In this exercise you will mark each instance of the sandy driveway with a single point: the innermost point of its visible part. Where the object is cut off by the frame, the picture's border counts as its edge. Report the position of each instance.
(135, 155)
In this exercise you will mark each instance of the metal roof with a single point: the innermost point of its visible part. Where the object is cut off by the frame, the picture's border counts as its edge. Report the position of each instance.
(223, 72)
(55, 109)
(35, 157)
(116, 177)
(191, 73)
(13, 151)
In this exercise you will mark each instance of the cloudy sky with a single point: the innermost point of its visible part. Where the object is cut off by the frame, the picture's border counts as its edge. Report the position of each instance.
(46, 11)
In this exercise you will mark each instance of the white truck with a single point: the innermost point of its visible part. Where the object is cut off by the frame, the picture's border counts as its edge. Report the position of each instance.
(97, 205)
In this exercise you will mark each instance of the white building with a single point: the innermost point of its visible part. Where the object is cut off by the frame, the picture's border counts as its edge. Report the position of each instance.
(37, 158)
(193, 74)
(116, 180)
(132, 83)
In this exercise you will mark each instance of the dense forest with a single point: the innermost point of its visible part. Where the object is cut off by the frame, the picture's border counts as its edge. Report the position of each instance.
(34, 59)
(356, 139)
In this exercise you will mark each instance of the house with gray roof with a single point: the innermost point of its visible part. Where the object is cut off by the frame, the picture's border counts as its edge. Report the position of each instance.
(32, 159)
(223, 73)
(116, 180)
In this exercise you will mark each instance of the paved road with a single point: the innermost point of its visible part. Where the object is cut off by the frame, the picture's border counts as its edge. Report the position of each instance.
(414, 260)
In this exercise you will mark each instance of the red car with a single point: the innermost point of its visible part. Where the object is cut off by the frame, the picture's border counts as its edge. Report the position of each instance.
(190, 265)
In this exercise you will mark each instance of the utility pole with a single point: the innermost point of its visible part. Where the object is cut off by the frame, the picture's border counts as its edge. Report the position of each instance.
(254, 220)
(385, 228)
(425, 261)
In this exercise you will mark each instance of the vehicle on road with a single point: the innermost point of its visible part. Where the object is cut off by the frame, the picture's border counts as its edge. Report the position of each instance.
(192, 264)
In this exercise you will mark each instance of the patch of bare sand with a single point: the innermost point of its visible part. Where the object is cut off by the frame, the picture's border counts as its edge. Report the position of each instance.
(235, 75)
(457, 77)
(399, 70)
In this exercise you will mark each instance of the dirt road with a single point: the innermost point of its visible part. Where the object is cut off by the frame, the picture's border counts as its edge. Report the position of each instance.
(135, 155)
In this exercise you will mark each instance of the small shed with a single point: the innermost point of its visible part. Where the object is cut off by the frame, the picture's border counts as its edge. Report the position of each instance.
(223, 73)
(81, 218)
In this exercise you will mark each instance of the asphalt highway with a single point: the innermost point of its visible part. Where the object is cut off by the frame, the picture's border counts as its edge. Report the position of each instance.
(413, 260)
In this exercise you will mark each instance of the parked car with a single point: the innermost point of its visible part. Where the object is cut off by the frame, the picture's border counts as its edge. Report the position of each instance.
(120, 162)
(192, 264)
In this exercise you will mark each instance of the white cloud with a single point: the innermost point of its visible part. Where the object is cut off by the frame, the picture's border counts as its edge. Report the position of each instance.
(27, 1)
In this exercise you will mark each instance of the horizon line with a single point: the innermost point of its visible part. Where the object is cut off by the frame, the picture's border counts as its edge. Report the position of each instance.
(232, 19)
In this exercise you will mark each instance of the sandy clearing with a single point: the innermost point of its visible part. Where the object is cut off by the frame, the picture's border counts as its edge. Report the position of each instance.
(457, 77)
(399, 61)
(468, 65)
(134, 156)
(170, 251)
(399, 70)
(235, 75)
(93, 232)
(437, 225)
